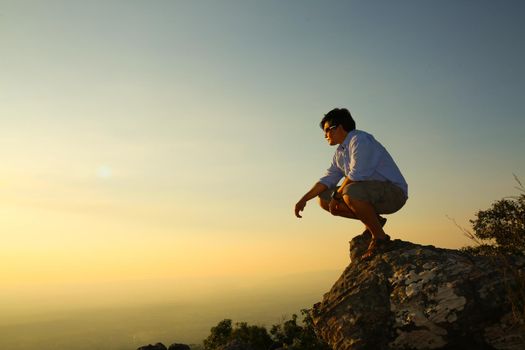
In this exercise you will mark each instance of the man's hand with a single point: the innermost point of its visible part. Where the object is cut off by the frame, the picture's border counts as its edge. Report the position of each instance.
(299, 207)
(333, 206)
(314, 192)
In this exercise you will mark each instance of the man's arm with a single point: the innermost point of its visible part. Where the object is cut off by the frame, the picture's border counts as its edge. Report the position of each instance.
(316, 190)
(345, 182)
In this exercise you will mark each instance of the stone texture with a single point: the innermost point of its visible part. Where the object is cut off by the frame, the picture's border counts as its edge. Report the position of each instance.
(410, 296)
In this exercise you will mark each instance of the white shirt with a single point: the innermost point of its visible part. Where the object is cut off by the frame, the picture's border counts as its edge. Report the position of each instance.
(362, 158)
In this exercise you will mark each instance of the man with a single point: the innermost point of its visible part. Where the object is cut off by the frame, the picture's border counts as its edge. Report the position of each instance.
(372, 182)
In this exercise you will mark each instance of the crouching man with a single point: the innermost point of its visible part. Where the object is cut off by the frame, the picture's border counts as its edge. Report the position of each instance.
(372, 183)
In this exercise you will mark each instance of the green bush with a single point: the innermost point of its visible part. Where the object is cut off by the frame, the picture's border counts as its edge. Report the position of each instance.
(499, 232)
(219, 335)
(242, 335)
(501, 228)
(255, 337)
(288, 335)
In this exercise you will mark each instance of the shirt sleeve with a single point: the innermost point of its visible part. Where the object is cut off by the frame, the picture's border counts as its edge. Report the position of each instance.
(364, 157)
(333, 175)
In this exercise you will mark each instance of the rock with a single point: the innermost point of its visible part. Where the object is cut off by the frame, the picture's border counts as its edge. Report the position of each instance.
(177, 346)
(158, 346)
(410, 296)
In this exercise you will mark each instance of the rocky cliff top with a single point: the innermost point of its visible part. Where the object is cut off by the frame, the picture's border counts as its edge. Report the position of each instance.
(410, 296)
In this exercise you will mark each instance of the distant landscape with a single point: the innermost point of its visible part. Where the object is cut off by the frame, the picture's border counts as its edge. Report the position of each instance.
(128, 326)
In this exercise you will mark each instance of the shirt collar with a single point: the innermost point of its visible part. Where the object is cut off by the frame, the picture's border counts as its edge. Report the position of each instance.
(345, 143)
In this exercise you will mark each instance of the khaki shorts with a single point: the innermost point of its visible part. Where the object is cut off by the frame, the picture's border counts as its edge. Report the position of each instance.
(385, 197)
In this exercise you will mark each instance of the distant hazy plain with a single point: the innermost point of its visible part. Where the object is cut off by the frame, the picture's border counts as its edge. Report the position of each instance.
(106, 317)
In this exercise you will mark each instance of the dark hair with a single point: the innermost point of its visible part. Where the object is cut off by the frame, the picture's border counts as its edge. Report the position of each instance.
(339, 116)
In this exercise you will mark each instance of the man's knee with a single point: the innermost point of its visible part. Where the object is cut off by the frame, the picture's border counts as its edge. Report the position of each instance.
(355, 202)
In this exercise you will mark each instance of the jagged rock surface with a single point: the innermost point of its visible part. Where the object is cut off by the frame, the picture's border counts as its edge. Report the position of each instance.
(410, 296)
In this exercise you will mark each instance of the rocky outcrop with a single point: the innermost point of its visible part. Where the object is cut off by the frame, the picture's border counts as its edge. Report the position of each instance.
(410, 296)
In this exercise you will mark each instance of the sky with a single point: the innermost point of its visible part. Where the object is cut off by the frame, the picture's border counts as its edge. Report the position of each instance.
(170, 140)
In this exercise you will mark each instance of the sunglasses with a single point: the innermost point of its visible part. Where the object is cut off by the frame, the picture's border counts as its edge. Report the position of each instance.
(327, 130)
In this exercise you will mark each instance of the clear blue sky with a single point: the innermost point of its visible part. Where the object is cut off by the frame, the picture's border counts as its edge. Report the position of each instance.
(187, 130)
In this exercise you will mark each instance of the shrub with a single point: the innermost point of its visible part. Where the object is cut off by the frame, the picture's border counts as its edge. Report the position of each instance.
(501, 228)
(287, 335)
(290, 335)
(499, 232)
(219, 335)
(242, 335)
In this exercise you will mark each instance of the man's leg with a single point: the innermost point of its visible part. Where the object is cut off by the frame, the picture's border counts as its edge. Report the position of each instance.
(346, 212)
(365, 212)
(342, 209)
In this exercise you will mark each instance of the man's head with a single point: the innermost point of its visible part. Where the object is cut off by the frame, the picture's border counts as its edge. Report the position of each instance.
(336, 124)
